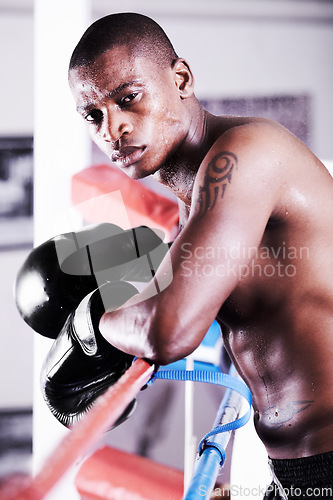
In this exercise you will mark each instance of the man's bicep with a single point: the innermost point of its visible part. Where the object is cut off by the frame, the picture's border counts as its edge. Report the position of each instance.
(209, 255)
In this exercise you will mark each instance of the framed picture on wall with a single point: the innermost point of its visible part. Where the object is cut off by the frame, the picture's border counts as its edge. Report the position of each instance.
(292, 111)
(16, 192)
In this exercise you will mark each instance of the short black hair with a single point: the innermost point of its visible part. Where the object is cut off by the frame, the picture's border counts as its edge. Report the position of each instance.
(138, 32)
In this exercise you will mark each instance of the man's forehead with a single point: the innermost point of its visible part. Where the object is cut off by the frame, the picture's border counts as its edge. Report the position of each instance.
(112, 70)
(104, 64)
(116, 60)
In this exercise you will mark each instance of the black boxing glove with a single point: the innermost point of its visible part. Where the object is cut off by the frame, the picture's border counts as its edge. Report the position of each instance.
(81, 364)
(59, 273)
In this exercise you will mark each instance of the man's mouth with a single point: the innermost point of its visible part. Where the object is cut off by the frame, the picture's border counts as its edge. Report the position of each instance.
(128, 155)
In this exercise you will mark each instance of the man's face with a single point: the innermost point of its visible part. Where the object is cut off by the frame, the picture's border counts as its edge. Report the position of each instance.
(133, 109)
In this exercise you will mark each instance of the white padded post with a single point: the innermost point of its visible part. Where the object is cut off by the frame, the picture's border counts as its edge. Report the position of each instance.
(61, 148)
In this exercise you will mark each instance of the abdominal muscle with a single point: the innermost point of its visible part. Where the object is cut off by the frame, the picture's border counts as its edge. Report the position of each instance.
(291, 389)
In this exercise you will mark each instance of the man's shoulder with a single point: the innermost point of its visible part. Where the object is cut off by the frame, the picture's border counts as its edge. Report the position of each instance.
(253, 142)
(252, 160)
(249, 128)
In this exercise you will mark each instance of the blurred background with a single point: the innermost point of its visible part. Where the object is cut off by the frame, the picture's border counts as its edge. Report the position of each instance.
(249, 57)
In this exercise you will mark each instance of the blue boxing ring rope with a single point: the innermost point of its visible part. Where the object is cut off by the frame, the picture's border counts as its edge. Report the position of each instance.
(211, 452)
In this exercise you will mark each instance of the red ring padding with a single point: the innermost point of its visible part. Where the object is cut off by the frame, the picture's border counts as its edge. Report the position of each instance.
(143, 206)
(110, 474)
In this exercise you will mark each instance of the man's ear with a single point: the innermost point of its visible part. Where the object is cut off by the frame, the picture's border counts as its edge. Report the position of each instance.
(183, 78)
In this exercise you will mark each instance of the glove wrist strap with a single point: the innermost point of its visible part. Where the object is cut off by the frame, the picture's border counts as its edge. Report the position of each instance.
(86, 324)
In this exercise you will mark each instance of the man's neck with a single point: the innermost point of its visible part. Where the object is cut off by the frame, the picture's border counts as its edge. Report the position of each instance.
(179, 172)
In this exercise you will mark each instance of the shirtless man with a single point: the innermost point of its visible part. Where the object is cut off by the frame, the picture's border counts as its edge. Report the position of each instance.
(255, 246)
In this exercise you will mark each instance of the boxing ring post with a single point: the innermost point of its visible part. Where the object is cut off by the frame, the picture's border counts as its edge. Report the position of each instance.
(107, 409)
(209, 463)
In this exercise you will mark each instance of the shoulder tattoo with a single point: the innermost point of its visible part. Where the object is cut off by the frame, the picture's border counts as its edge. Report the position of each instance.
(217, 177)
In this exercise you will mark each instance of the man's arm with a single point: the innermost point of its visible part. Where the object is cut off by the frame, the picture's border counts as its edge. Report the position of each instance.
(236, 190)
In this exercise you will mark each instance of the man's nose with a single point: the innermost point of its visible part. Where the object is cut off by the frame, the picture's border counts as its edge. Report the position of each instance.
(115, 125)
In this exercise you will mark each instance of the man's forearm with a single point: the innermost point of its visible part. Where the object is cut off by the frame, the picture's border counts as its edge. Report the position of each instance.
(144, 327)
(129, 330)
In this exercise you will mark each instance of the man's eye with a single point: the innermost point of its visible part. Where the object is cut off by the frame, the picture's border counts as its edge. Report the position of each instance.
(95, 116)
(128, 98)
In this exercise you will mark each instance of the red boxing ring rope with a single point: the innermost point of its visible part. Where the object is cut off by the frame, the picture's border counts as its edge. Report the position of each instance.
(106, 410)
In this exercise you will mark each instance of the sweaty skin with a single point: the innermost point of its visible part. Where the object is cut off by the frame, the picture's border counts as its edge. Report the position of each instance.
(254, 249)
